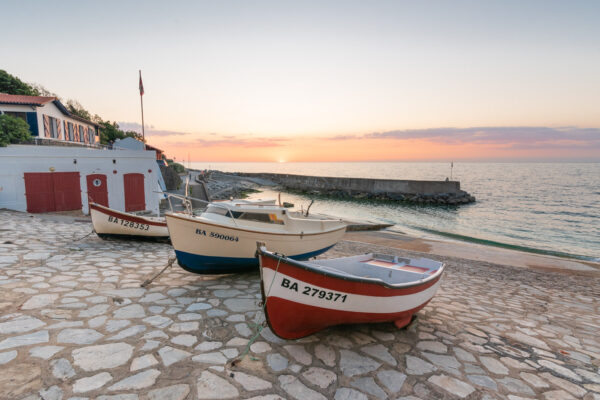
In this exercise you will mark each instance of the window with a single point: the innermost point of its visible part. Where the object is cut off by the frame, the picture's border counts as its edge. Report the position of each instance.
(91, 134)
(15, 114)
(71, 131)
(53, 127)
(81, 133)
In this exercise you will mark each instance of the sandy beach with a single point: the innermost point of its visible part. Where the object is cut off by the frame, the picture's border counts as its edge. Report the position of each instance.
(75, 323)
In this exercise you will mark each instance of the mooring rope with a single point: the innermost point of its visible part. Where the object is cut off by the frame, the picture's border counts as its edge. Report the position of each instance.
(257, 326)
(149, 281)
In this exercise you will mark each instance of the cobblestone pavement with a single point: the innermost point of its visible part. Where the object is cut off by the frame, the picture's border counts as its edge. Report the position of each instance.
(74, 323)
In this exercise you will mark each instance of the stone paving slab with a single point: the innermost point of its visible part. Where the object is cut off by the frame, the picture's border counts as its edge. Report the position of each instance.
(75, 324)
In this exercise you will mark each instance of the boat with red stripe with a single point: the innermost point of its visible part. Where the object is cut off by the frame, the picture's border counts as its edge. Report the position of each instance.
(304, 297)
(109, 222)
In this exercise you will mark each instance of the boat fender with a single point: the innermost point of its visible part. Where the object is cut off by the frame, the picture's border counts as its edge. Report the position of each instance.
(302, 235)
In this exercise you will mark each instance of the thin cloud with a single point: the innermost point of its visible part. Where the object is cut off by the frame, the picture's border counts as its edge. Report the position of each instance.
(234, 141)
(150, 131)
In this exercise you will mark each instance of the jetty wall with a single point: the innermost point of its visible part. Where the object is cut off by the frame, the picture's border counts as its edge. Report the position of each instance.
(430, 192)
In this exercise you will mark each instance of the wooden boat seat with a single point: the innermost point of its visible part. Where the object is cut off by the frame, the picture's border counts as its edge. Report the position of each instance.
(389, 269)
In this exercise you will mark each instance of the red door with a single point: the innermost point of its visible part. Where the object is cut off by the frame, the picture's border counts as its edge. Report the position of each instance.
(97, 189)
(52, 191)
(67, 191)
(135, 200)
(39, 192)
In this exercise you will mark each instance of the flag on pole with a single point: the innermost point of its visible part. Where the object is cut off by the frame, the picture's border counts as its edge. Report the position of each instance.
(141, 85)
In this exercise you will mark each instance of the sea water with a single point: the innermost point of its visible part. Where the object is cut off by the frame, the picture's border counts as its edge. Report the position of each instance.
(551, 208)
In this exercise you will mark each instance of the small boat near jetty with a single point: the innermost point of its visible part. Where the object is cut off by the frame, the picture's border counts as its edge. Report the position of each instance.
(222, 239)
(108, 222)
(302, 297)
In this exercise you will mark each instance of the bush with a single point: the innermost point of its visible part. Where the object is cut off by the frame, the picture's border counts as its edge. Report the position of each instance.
(178, 167)
(13, 130)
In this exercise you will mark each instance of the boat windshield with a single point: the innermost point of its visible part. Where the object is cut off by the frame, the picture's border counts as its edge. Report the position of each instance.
(247, 216)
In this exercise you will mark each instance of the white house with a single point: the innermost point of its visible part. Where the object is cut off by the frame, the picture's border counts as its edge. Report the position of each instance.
(60, 178)
(49, 119)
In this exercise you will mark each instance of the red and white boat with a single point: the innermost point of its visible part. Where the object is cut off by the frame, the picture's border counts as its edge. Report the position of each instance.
(305, 297)
(109, 222)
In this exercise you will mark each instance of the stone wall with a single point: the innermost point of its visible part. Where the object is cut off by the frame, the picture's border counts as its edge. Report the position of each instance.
(422, 192)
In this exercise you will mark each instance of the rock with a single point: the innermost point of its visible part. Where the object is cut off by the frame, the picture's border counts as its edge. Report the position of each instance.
(368, 385)
(560, 370)
(558, 395)
(78, 336)
(493, 365)
(62, 369)
(516, 386)
(211, 386)
(94, 311)
(20, 324)
(170, 356)
(7, 356)
(381, 352)
(452, 385)
(129, 312)
(260, 347)
(39, 301)
(125, 333)
(326, 354)
(25, 340)
(44, 352)
(175, 392)
(392, 380)
(184, 340)
(159, 321)
(143, 362)
(530, 340)
(417, 366)
(52, 393)
(483, 380)
(129, 292)
(250, 382)
(297, 389)
(319, 377)
(207, 346)
(91, 383)
(299, 353)
(198, 307)
(240, 305)
(138, 381)
(210, 358)
(436, 347)
(353, 364)
(349, 394)
(102, 356)
(184, 327)
(445, 362)
(277, 362)
(564, 384)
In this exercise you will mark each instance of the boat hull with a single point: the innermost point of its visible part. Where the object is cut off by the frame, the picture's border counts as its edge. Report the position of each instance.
(206, 248)
(301, 302)
(111, 223)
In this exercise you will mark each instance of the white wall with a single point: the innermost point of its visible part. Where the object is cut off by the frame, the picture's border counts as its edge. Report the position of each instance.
(15, 160)
(51, 110)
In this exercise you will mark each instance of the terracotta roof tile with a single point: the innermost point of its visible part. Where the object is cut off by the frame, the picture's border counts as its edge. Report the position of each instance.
(25, 100)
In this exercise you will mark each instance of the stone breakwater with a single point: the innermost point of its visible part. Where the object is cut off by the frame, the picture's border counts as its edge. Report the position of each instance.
(75, 324)
(410, 191)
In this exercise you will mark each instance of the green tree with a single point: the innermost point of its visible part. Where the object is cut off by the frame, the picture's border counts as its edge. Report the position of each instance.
(12, 85)
(76, 108)
(13, 130)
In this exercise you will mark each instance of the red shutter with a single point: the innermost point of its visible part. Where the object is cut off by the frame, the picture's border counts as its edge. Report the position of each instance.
(46, 126)
(135, 198)
(58, 130)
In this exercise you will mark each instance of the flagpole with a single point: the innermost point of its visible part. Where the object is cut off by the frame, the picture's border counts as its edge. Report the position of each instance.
(142, 105)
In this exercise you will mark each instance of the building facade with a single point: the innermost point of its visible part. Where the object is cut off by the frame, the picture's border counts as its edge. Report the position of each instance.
(49, 119)
(59, 178)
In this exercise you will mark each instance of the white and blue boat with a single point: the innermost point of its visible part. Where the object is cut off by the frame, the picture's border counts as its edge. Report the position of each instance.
(222, 239)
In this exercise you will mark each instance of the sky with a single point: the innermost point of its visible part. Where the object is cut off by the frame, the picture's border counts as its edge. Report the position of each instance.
(325, 80)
